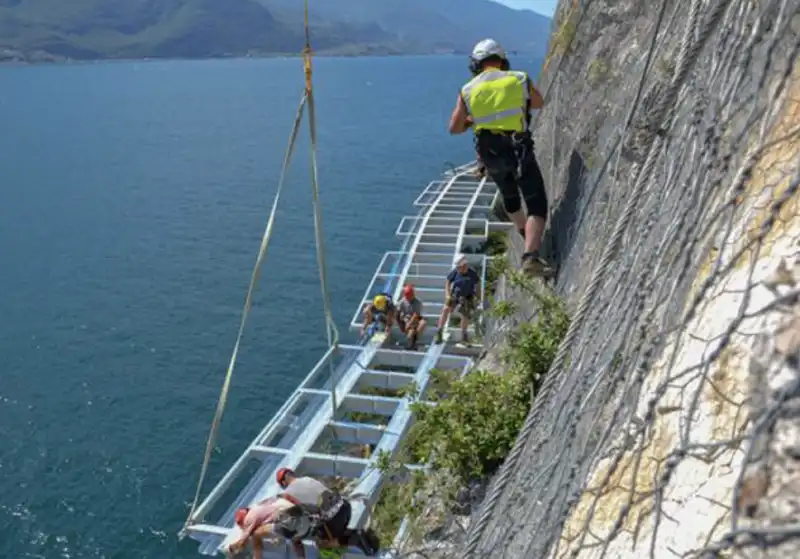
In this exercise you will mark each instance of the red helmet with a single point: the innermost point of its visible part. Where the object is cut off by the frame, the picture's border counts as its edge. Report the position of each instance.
(280, 475)
(408, 291)
(240, 516)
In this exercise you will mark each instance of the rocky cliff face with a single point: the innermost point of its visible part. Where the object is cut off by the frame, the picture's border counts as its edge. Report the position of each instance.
(669, 425)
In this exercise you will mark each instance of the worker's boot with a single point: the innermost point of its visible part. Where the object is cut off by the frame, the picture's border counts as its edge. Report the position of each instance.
(533, 264)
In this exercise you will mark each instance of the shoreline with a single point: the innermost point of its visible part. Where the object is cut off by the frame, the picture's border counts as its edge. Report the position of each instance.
(83, 61)
(56, 61)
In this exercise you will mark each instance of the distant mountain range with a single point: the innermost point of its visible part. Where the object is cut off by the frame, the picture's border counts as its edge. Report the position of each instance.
(33, 30)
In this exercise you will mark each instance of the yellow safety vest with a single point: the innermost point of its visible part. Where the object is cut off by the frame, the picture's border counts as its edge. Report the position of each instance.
(497, 100)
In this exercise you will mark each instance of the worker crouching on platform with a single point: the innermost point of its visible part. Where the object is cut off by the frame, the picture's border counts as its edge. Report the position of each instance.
(306, 509)
(331, 513)
(409, 316)
(257, 523)
(496, 103)
(333, 510)
(380, 310)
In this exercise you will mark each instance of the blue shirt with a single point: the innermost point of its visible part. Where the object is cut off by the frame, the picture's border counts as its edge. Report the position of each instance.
(463, 285)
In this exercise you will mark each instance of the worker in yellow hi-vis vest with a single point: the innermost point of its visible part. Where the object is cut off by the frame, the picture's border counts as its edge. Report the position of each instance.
(496, 103)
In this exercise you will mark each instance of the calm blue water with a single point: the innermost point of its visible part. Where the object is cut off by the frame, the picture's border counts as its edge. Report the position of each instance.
(132, 201)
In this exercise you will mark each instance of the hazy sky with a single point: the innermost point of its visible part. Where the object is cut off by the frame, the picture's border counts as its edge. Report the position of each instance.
(546, 7)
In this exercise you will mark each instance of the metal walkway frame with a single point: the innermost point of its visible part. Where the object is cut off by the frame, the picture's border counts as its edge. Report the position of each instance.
(455, 219)
(336, 405)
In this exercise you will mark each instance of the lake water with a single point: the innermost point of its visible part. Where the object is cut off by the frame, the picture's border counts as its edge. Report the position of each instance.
(132, 201)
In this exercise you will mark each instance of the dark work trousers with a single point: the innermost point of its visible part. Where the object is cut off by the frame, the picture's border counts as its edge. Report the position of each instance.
(511, 163)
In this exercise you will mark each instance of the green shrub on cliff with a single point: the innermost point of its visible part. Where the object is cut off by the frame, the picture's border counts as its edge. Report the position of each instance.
(531, 349)
(465, 426)
(472, 426)
(496, 243)
(475, 419)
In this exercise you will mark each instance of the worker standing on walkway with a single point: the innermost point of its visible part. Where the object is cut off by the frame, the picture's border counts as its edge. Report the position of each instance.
(496, 103)
(460, 291)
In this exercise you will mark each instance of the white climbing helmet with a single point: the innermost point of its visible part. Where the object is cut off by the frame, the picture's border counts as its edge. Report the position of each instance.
(486, 48)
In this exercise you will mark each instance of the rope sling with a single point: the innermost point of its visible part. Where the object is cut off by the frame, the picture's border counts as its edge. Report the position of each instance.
(330, 327)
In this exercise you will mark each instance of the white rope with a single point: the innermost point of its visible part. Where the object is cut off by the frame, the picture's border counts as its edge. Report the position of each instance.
(223, 397)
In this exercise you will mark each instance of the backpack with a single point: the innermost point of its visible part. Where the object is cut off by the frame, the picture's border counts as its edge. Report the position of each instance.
(295, 523)
(303, 520)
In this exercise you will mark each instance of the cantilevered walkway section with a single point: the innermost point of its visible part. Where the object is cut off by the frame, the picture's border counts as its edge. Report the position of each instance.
(349, 409)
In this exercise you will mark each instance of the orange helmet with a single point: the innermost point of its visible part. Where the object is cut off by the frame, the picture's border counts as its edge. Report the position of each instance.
(240, 516)
(280, 475)
(408, 291)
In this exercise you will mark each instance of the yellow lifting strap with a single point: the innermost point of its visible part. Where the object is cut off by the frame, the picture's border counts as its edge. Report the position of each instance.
(332, 332)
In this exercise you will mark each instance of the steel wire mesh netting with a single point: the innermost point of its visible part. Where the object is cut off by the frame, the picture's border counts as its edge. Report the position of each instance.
(663, 414)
